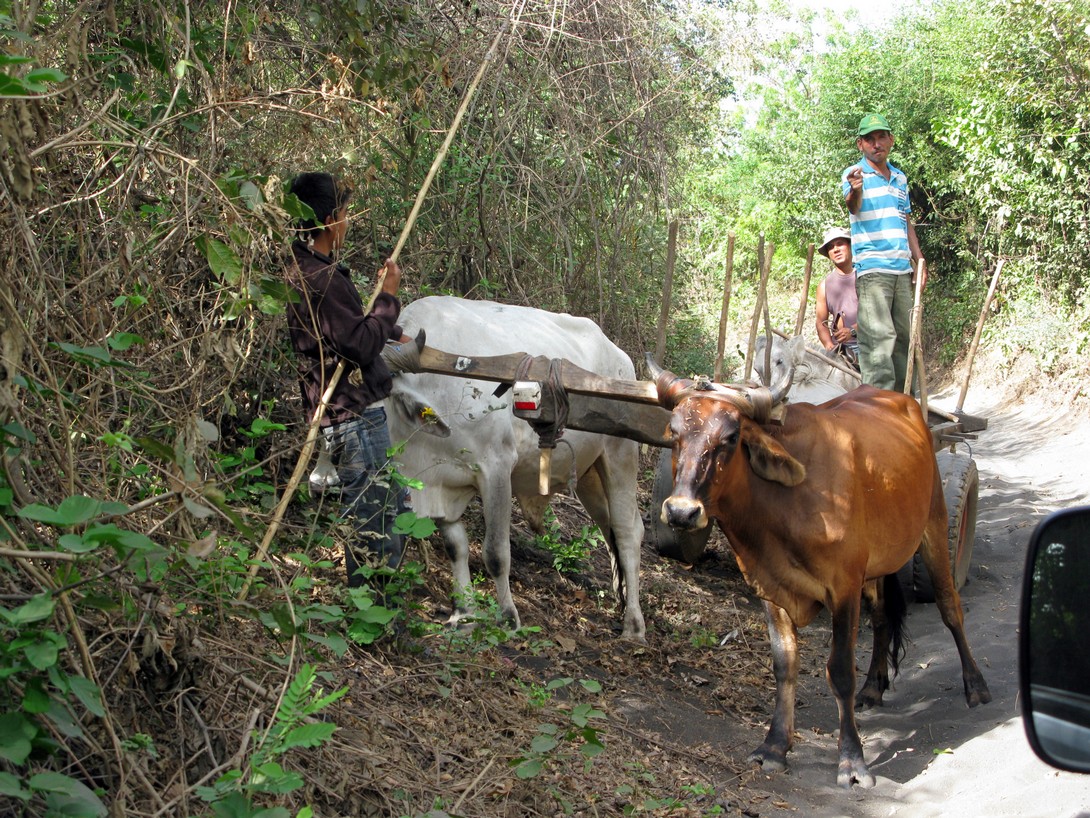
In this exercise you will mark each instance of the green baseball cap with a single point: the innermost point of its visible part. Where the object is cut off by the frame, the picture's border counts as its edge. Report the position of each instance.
(873, 122)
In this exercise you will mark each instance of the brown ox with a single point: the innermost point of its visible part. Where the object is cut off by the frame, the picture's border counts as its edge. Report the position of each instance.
(836, 497)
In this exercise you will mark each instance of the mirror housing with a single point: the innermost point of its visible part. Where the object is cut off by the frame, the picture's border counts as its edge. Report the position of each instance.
(1053, 653)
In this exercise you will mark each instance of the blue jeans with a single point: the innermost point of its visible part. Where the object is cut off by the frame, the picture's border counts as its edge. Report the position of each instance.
(885, 320)
(371, 501)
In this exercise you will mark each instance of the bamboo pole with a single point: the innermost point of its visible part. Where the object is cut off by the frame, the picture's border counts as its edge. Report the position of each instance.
(801, 320)
(923, 378)
(769, 252)
(914, 333)
(976, 335)
(667, 292)
(312, 431)
(723, 312)
(756, 309)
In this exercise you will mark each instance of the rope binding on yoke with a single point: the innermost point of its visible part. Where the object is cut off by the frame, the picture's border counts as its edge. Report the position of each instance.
(554, 407)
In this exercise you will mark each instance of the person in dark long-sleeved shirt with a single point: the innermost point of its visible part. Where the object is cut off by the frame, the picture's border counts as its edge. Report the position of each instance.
(327, 325)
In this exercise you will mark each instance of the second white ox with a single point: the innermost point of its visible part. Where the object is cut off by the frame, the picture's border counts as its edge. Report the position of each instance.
(815, 379)
(495, 455)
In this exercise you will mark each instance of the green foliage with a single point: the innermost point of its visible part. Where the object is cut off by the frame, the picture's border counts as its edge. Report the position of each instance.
(703, 638)
(33, 82)
(149, 414)
(136, 550)
(39, 700)
(243, 471)
(295, 726)
(689, 801)
(569, 556)
(556, 744)
(364, 617)
(483, 629)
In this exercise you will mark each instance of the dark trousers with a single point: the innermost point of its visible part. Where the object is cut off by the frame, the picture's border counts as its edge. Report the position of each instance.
(370, 499)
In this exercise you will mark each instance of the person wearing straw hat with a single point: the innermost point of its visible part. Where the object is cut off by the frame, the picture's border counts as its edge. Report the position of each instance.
(836, 303)
(885, 254)
(328, 324)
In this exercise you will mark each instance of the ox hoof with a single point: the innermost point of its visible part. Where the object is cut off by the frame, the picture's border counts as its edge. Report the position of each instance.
(510, 620)
(868, 698)
(470, 620)
(768, 761)
(849, 773)
(462, 621)
(634, 630)
(977, 693)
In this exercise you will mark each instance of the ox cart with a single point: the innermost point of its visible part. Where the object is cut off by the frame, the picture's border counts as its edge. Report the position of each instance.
(630, 409)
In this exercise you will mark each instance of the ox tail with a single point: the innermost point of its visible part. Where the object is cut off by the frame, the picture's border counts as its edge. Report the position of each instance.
(893, 597)
(616, 569)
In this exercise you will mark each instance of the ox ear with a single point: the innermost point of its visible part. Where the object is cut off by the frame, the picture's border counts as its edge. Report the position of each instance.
(768, 459)
(797, 348)
(417, 414)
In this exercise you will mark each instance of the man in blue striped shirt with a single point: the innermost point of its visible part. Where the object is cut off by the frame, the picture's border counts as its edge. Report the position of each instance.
(885, 252)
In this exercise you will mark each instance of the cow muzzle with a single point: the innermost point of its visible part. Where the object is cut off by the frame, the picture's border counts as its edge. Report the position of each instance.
(684, 513)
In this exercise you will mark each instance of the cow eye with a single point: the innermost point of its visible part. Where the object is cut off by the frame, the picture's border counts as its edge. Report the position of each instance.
(732, 439)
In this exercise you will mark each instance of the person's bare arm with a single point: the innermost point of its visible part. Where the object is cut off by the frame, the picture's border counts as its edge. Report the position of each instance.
(919, 263)
(392, 281)
(855, 193)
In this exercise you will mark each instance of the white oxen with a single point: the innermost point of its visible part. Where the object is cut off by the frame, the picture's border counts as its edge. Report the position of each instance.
(495, 455)
(815, 379)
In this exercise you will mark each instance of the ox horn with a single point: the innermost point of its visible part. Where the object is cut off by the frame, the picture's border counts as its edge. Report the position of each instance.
(404, 357)
(668, 384)
(782, 386)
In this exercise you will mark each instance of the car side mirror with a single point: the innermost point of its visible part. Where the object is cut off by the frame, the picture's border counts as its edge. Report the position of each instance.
(1054, 659)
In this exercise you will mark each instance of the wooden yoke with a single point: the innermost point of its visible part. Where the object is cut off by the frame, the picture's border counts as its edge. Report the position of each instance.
(523, 367)
(502, 369)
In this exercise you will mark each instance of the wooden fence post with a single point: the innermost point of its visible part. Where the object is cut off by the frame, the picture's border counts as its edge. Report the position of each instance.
(756, 310)
(718, 376)
(801, 320)
(976, 335)
(667, 290)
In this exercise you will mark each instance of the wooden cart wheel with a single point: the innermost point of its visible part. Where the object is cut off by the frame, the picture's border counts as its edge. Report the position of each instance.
(960, 487)
(686, 546)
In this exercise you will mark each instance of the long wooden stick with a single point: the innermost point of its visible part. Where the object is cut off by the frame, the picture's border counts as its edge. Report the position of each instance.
(312, 431)
(914, 329)
(922, 377)
(762, 274)
(805, 299)
(667, 291)
(723, 313)
(769, 252)
(976, 335)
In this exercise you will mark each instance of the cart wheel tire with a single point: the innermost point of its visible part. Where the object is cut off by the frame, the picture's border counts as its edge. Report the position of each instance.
(960, 488)
(686, 546)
